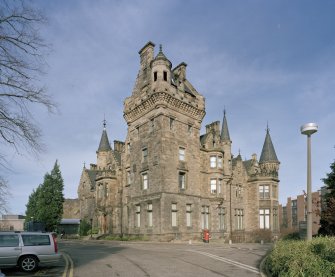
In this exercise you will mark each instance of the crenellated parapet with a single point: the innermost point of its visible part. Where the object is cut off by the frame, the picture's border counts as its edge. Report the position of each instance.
(163, 99)
(105, 174)
(269, 169)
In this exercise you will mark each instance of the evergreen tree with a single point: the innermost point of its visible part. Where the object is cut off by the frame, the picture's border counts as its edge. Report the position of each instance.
(32, 208)
(51, 199)
(45, 204)
(328, 215)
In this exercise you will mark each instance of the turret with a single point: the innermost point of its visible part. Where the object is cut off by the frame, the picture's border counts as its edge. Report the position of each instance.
(103, 150)
(226, 145)
(160, 69)
(268, 162)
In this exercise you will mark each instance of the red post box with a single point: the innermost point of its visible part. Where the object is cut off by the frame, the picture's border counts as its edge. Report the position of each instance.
(206, 236)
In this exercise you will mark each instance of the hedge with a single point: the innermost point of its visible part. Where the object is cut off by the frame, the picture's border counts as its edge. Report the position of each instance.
(301, 258)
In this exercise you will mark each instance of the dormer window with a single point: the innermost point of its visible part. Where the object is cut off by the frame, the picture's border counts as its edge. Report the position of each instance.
(164, 75)
(155, 76)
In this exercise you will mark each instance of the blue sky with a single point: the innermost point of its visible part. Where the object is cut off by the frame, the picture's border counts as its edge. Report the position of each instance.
(264, 61)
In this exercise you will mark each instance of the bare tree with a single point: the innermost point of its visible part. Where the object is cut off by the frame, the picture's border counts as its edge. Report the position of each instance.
(22, 52)
(4, 195)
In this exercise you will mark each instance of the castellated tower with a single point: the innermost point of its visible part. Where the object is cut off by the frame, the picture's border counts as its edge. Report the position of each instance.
(162, 159)
(167, 181)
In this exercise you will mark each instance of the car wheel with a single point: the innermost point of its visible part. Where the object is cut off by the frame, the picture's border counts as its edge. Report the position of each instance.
(28, 263)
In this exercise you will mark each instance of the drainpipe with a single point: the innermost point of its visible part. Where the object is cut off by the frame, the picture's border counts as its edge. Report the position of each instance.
(231, 212)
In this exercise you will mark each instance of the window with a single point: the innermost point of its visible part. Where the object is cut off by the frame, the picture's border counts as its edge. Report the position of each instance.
(213, 161)
(204, 217)
(238, 191)
(264, 191)
(31, 240)
(144, 155)
(182, 180)
(145, 183)
(264, 218)
(239, 219)
(171, 123)
(181, 154)
(220, 186)
(174, 214)
(189, 129)
(9, 240)
(149, 210)
(138, 216)
(219, 162)
(222, 218)
(155, 76)
(188, 215)
(165, 75)
(213, 186)
(128, 178)
(128, 147)
(294, 213)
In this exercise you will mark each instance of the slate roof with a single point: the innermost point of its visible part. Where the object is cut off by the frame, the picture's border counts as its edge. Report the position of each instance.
(224, 131)
(161, 56)
(203, 139)
(68, 221)
(268, 151)
(104, 142)
(188, 90)
(234, 160)
(92, 175)
(247, 164)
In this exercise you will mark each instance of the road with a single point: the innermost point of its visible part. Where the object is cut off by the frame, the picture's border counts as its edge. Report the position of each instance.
(149, 259)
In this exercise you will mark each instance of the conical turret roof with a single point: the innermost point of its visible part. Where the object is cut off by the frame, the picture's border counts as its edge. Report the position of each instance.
(224, 131)
(161, 56)
(268, 151)
(104, 142)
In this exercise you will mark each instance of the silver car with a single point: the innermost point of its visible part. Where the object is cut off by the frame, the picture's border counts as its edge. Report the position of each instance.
(28, 249)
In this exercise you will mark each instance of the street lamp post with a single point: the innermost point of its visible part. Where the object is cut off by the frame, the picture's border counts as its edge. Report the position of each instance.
(309, 129)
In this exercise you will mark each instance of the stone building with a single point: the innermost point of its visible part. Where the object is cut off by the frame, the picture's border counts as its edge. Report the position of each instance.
(167, 181)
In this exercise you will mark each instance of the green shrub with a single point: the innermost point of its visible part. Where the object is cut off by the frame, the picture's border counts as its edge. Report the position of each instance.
(84, 228)
(302, 258)
(291, 236)
(95, 230)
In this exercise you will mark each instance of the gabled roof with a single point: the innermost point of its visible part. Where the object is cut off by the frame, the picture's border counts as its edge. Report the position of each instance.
(248, 164)
(235, 160)
(268, 151)
(224, 131)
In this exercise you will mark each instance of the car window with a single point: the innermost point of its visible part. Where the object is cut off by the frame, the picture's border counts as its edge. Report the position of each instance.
(32, 240)
(9, 240)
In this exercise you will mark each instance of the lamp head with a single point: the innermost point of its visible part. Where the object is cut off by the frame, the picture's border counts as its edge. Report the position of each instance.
(309, 129)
